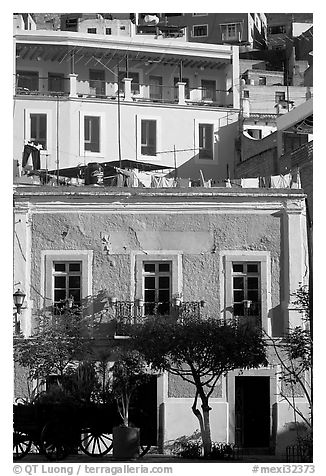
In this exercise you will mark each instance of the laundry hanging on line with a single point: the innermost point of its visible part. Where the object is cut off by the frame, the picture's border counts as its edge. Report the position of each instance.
(32, 149)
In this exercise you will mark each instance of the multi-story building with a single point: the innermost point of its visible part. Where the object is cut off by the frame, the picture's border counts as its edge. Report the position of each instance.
(288, 148)
(248, 30)
(133, 250)
(158, 102)
(98, 98)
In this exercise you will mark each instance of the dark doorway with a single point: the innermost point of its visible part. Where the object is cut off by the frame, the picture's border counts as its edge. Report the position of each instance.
(252, 412)
(143, 411)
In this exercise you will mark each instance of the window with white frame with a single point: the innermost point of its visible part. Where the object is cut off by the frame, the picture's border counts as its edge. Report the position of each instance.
(279, 96)
(246, 289)
(148, 137)
(231, 32)
(156, 279)
(66, 274)
(38, 131)
(157, 287)
(67, 282)
(92, 133)
(199, 30)
(206, 141)
(245, 286)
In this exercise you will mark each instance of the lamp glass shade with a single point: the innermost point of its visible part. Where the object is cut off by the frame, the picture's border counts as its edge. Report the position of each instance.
(19, 297)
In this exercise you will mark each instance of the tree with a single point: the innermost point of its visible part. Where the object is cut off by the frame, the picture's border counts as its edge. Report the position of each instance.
(200, 352)
(59, 341)
(294, 353)
(128, 373)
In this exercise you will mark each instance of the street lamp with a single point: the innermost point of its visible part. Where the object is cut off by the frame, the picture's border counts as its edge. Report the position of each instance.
(19, 297)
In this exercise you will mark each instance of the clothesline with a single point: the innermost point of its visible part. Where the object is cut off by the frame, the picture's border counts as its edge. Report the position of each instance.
(289, 180)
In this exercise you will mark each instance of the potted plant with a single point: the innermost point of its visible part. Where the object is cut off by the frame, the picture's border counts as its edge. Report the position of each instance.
(128, 373)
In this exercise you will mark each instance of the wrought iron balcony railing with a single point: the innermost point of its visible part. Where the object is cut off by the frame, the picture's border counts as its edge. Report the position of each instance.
(129, 313)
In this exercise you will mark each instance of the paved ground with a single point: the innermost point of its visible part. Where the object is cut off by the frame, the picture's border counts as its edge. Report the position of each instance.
(153, 459)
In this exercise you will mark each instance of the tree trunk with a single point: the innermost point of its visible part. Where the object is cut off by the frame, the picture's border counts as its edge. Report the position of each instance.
(207, 440)
(205, 429)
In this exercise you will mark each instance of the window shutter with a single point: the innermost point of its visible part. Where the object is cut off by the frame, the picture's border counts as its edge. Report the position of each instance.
(96, 134)
(152, 136)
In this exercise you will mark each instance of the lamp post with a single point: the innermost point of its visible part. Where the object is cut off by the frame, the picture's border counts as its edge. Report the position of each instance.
(19, 297)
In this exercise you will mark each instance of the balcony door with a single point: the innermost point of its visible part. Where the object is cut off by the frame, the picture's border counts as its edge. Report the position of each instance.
(208, 90)
(157, 287)
(155, 87)
(97, 82)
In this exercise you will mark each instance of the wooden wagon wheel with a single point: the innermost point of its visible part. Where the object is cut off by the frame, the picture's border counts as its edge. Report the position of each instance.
(54, 441)
(94, 442)
(143, 450)
(21, 444)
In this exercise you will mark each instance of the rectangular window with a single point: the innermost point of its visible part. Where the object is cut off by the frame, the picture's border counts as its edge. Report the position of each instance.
(262, 80)
(148, 137)
(108, 31)
(246, 93)
(27, 80)
(155, 87)
(276, 29)
(246, 289)
(134, 82)
(67, 283)
(97, 82)
(55, 82)
(38, 129)
(279, 96)
(92, 133)
(199, 30)
(91, 30)
(206, 132)
(157, 287)
(231, 32)
(208, 90)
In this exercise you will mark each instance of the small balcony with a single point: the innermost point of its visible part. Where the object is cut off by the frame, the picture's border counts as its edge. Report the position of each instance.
(130, 313)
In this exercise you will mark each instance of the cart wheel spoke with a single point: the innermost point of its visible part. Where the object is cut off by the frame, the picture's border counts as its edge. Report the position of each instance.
(21, 444)
(104, 442)
(95, 443)
(144, 450)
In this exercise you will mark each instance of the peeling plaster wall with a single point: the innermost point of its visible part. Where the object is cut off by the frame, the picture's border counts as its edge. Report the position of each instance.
(200, 237)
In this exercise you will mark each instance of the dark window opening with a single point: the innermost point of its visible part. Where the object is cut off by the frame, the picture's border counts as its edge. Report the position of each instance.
(28, 80)
(148, 137)
(92, 133)
(157, 287)
(38, 129)
(206, 132)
